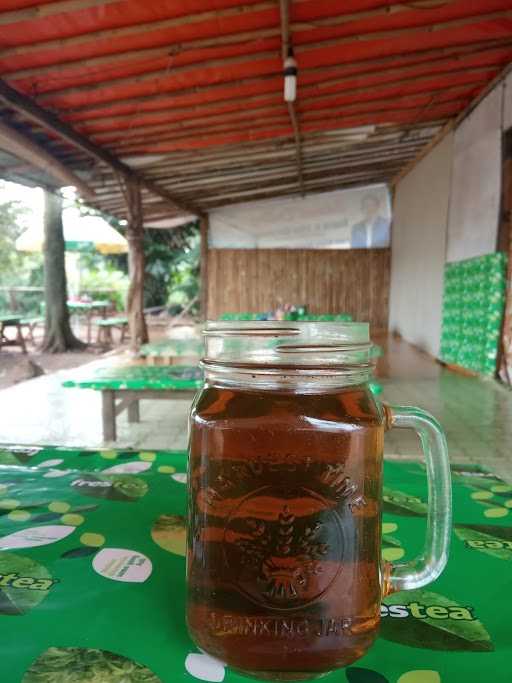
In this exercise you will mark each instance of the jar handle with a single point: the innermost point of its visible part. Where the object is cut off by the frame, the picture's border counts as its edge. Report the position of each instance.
(428, 566)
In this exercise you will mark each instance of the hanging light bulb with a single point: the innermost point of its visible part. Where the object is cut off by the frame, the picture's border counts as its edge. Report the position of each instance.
(290, 77)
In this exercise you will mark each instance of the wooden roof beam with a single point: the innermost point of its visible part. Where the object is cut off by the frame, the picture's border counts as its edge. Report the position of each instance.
(22, 147)
(375, 66)
(145, 134)
(267, 124)
(244, 37)
(51, 8)
(451, 125)
(155, 75)
(26, 106)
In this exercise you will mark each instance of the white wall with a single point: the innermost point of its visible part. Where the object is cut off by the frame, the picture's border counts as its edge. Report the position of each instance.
(476, 181)
(418, 248)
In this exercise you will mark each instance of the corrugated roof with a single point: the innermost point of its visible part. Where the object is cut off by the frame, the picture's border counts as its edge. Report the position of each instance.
(190, 93)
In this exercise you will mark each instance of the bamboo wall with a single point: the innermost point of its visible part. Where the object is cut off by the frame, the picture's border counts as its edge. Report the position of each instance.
(328, 281)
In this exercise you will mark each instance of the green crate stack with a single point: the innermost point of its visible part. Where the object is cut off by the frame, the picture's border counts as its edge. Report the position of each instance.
(473, 304)
(295, 315)
(239, 316)
(327, 317)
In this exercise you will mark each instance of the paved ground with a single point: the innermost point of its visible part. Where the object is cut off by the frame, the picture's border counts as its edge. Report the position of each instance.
(476, 414)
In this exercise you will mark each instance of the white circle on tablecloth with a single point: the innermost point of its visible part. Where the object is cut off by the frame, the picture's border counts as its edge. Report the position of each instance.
(205, 668)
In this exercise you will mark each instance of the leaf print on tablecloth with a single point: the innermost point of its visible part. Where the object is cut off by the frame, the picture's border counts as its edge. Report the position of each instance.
(389, 541)
(170, 533)
(18, 596)
(399, 503)
(356, 674)
(84, 551)
(121, 487)
(491, 540)
(46, 517)
(84, 665)
(434, 622)
(35, 536)
(391, 548)
(84, 508)
(16, 455)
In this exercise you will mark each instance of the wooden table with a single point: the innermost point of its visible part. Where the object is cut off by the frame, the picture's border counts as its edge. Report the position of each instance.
(89, 308)
(124, 386)
(10, 320)
(173, 352)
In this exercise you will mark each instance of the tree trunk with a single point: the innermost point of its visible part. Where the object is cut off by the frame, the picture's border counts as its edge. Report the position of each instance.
(58, 335)
(136, 263)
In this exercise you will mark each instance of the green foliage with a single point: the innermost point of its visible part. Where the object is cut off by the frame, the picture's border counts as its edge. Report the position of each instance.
(17, 268)
(99, 273)
(172, 267)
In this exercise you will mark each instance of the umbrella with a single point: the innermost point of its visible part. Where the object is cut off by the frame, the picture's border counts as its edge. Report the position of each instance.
(81, 233)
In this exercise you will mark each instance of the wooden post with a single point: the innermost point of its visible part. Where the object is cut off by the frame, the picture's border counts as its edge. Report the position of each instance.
(136, 262)
(204, 224)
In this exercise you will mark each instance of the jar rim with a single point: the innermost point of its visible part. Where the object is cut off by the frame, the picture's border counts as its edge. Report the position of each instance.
(287, 343)
(345, 332)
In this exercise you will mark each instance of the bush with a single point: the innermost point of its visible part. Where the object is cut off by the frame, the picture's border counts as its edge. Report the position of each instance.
(105, 276)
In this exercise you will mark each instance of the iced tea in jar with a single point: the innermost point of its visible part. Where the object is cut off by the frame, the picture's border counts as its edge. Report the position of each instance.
(284, 569)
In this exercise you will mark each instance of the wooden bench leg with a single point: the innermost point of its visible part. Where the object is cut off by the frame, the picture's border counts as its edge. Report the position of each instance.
(108, 398)
(21, 339)
(134, 411)
(89, 327)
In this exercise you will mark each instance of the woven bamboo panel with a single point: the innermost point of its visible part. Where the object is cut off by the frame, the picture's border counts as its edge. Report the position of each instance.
(327, 281)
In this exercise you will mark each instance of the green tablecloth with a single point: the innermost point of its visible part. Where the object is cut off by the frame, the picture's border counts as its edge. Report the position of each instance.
(87, 305)
(10, 318)
(140, 377)
(92, 585)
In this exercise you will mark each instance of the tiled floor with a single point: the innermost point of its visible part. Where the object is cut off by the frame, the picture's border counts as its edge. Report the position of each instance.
(476, 414)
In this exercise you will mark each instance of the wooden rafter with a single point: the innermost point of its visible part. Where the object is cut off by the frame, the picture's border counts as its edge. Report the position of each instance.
(51, 8)
(356, 69)
(266, 102)
(167, 130)
(23, 148)
(152, 74)
(27, 107)
(123, 32)
(187, 101)
(452, 124)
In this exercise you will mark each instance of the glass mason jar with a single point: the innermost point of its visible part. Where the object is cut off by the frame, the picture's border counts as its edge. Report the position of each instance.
(284, 569)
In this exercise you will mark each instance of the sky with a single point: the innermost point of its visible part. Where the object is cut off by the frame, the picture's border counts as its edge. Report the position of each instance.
(32, 198)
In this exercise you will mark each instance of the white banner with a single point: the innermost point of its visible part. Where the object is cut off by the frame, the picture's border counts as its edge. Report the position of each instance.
(357, 218)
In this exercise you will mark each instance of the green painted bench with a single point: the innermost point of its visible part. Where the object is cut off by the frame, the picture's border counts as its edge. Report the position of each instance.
(124, 386)
(11, 320)
(105, 327)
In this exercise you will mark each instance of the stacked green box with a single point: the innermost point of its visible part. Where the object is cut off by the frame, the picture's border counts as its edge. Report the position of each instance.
(473, 304)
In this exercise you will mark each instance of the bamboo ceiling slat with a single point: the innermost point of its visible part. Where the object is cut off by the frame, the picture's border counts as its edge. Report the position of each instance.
(187, 97)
